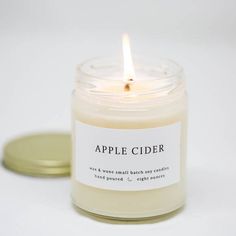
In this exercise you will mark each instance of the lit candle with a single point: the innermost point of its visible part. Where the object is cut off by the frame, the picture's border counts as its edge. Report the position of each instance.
(129, 137)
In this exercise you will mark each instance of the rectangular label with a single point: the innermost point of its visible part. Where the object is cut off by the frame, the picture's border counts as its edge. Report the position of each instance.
(127, 159)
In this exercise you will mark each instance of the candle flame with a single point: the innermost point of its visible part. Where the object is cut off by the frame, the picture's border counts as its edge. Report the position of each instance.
(129, 73)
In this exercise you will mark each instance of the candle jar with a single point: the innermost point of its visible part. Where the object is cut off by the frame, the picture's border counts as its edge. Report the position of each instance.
(129, 140)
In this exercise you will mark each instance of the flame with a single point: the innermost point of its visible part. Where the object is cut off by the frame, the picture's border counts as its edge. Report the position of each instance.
(129, 73)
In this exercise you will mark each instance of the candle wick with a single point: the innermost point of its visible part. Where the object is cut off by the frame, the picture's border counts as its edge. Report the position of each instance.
(127, 85)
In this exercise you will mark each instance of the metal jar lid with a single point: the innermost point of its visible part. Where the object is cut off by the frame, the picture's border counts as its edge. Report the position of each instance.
(45, 154)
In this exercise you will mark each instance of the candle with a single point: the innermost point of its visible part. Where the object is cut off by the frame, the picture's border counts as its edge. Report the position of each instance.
(129, 137)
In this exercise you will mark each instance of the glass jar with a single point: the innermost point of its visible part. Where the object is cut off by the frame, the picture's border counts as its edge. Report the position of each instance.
(129, 139)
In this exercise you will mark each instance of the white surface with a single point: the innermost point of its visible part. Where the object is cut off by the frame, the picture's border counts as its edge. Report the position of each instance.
(40, 43)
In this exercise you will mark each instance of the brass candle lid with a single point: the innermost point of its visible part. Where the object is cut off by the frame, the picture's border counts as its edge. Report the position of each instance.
(45, 154)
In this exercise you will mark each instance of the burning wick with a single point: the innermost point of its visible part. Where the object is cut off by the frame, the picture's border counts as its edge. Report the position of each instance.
(127, 85)
(129, 74)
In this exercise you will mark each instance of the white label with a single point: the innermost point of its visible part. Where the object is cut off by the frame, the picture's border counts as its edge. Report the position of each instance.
(127, 159)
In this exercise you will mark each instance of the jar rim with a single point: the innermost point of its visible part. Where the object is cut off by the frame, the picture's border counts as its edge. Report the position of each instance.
(100, 80)
(89, 67)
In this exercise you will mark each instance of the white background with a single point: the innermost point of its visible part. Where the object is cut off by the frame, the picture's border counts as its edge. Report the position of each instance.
(40, 44)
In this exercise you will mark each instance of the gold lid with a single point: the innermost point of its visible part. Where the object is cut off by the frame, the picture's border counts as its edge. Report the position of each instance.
(45, 154)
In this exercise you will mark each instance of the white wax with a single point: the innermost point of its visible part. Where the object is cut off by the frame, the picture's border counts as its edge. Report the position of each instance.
(131, 204)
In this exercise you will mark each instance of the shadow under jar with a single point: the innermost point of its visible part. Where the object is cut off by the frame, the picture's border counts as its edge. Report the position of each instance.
(129, 145)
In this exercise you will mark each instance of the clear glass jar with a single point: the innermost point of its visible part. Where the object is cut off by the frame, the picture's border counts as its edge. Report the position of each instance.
(129, 145)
